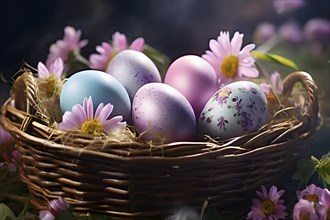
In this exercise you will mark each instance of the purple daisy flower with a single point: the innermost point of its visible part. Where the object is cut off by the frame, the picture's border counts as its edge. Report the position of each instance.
(268, 205)
(229, 61)
(312, 193)
(54, 207)
(83, 118)
(62, 48)
(106, 51)
(304, 210)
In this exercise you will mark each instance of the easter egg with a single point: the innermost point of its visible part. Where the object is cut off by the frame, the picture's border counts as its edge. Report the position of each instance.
(194, 78)
(236, 109)
(133, 69)
(161, 113)
(102, 87)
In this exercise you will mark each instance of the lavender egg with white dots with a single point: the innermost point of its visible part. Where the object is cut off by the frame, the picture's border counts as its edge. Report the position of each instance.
(133, 69)
(162, 114)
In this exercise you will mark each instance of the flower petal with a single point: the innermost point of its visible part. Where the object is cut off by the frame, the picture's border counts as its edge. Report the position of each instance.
(265, 88)
(82, 43)
(214, 46)
(42, 71)
(79, 114)
(69, 122)
(137, 44)
(98, 110)
(236, 42)
(88, 107)
(114, 123)
(57, 68)
(247, 71)
(248, 48)
(46, 215)
(119, 41)
(104, 113)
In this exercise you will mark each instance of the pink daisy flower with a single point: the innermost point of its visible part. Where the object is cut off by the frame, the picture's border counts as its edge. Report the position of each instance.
(83, 118)
(50, 78)
(106, 51)
(268, 205)
(55, 206)
(229, 61)
(312, 193)
(62, 48)
(304, 210)
(55, 69)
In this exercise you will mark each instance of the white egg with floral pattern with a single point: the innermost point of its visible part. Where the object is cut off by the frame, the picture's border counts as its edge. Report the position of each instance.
(236, 109)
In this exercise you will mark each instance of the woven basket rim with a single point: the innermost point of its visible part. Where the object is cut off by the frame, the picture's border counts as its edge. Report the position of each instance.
(310, 117)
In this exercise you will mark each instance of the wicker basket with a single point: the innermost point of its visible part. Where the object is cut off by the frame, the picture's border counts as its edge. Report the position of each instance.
(139, 181)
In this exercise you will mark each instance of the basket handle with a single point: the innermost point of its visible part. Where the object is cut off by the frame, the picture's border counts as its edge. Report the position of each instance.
(24, 93)
(312, 94)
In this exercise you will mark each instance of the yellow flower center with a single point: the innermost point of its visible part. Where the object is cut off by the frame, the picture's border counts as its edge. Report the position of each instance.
(304, 216)
(312, 198)
(51, 86)
(92, 127)
(267, 207)
(229, 66)
(113, 54)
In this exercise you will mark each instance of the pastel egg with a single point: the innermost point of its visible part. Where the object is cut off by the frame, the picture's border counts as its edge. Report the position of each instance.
(133, 69)
(161, 113)
(194, 78)
(102, 87)
(236, 109)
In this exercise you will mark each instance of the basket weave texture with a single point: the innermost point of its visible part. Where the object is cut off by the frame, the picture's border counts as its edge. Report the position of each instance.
(129, 180)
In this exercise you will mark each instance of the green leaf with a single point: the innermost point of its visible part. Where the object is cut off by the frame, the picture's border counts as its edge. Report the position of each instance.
(275, 58)
(322, 167)
(6, 213)
(161, 60)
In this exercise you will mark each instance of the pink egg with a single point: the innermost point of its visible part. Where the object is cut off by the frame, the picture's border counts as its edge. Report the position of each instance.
(193, 77)
(161, 113)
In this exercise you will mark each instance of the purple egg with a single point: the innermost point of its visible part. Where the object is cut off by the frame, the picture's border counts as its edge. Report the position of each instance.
(133, 69)
(161, 113)
(195, 78)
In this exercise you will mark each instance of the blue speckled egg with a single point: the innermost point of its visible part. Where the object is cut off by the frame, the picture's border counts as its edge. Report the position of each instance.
(102, 87)
(162, 113)
(236, 109)
(133, 69)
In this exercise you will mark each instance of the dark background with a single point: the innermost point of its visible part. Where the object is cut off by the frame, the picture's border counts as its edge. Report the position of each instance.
(173, 27)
